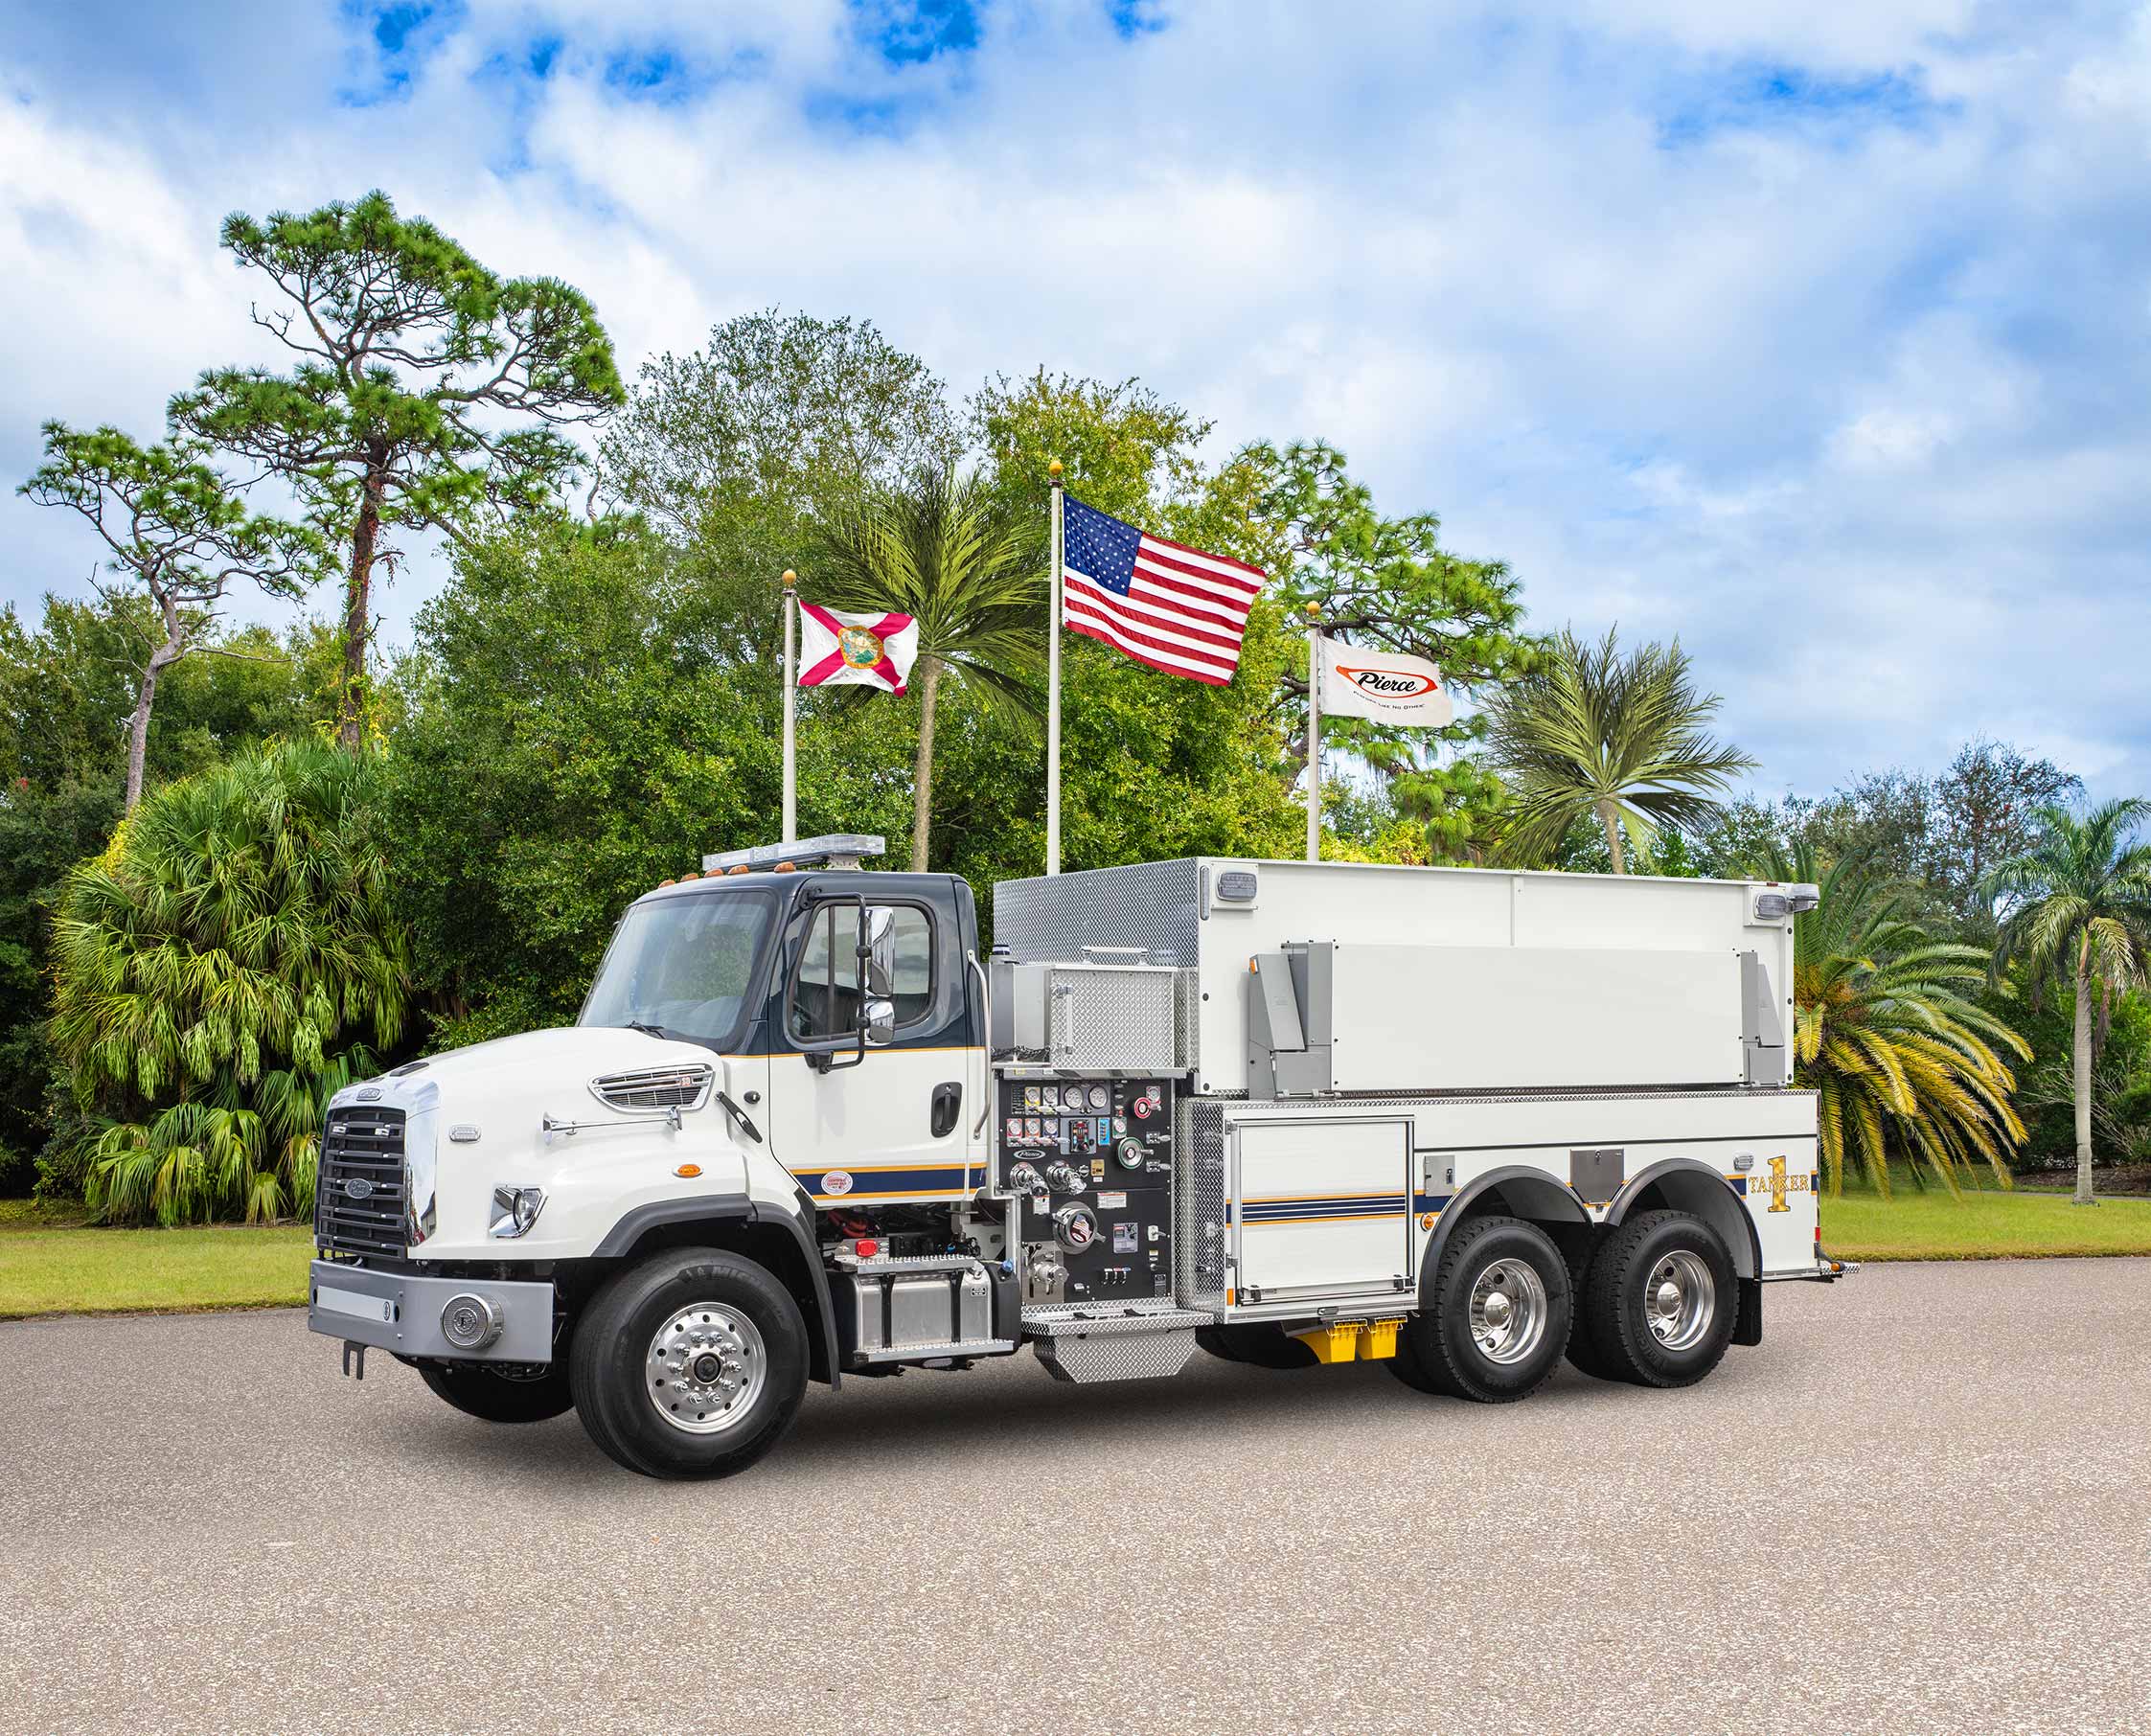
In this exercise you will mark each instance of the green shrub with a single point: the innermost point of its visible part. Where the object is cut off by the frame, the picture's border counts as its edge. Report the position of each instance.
(224, 967)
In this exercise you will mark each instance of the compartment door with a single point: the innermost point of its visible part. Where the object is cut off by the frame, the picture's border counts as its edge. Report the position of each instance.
(1320, 1207)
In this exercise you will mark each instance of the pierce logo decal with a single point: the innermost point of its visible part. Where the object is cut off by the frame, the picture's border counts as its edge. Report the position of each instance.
(836, 1181)
(1390, 683)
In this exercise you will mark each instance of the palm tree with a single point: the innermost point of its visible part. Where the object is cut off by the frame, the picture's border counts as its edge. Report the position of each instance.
(945, 553)
(1593, 732)
(216, 970)
(2079, 908)
(1886, 1033)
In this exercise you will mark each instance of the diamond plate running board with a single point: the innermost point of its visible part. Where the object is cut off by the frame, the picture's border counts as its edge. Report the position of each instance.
(1085, 1349)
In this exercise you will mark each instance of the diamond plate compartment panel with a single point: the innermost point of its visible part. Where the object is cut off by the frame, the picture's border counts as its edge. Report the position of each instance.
(1145, 904)
(1123, 1356)
(1106, 1019)
(1199, 1234)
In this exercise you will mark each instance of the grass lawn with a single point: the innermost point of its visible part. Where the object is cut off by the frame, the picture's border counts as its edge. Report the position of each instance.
(49, 1268)
(1983, 1225)
(53, 1263)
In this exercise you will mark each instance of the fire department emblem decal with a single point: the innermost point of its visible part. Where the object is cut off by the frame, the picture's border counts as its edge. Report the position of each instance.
(859, 647)
(836, 1181)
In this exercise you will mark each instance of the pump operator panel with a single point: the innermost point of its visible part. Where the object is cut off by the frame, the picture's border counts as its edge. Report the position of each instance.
(1093, 1160)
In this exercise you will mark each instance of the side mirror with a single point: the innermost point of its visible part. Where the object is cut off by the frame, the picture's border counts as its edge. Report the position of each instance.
(879, 1021)
(880, 953)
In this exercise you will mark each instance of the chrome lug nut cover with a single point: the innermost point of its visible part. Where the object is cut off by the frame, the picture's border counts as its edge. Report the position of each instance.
(706, 1367)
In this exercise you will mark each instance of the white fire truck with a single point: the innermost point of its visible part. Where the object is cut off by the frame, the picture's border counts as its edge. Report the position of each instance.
(1462, 1122)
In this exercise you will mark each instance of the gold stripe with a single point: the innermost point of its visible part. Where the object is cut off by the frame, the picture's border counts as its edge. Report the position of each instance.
(840, 1199)
(1333, 1217)
(1277, 1199)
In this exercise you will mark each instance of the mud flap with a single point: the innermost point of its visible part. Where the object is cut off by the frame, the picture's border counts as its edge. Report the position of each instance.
(1748, 1323)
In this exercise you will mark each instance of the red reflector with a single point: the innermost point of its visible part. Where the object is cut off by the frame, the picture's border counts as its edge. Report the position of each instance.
(867, 1246)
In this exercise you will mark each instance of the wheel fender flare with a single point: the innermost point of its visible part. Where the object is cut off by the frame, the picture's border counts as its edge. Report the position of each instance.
(717, 1208)
(1692, 1185)
(1543, 1198)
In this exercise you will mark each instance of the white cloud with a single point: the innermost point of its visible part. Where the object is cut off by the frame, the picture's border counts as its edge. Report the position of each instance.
(1842, 377)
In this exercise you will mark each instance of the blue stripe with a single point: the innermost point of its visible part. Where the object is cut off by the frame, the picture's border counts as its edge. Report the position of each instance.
(1430, 1203)
(1360, 1207)
(934, 1178)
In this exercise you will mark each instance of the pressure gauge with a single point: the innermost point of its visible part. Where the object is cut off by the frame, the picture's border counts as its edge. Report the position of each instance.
(1015, 1127)
(1100, 1097)
(1030, 1097)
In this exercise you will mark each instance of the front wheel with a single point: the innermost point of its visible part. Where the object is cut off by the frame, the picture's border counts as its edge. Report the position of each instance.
(498, 1396)
(1499, 1321)
(690, 1364)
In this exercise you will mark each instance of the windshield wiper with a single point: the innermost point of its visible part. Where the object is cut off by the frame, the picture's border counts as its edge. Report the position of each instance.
(629, 1024)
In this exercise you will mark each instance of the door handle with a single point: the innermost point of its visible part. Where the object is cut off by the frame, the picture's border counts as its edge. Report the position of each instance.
(947, 1105)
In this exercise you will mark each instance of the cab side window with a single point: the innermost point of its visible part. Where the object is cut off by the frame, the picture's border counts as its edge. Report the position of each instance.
(824, 992)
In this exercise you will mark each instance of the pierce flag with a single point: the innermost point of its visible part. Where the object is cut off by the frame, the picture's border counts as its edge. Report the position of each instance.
(1387, 686)
(841, 649)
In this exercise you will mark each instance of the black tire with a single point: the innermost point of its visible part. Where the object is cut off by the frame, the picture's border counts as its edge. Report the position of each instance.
(487, 1393)
(1437, 1351)
(608, 1363)
(1583, 1348)
(1257, 1345)
(1618, 1309)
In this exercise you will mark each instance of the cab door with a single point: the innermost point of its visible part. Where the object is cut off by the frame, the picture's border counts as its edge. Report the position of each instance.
(883, 1118)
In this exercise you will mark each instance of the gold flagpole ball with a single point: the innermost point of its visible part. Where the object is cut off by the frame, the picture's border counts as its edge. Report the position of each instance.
(791, 578)
(1053, 469)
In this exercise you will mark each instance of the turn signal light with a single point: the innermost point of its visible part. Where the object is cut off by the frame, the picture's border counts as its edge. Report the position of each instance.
(689, 1170)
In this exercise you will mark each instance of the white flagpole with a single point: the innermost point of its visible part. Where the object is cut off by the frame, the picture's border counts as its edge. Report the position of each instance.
(791, 704)
(1314, 733)
(1053, 690)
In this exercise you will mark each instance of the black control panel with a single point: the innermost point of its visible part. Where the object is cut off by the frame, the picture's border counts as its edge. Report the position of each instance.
(1093, 1160)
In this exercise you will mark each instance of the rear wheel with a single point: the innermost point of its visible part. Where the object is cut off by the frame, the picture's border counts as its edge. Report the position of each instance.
(1501, 1307)
(691, 1364)
(498, 1395)
(1660, 1301)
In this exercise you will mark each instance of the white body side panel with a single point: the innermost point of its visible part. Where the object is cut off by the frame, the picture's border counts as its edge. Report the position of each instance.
(1438, 1019)
(1383, 907)
(1323, 1204)
(1312, 1212)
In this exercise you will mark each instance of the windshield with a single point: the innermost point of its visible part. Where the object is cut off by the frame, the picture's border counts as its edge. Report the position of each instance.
(684, 967)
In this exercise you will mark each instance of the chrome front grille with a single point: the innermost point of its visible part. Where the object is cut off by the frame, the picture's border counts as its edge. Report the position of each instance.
(669, 1087)
(361, 1196)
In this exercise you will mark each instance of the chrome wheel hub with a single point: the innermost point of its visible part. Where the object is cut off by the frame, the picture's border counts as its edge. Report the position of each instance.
(1508, 1312)
(1680, 1299)
(706, 1367)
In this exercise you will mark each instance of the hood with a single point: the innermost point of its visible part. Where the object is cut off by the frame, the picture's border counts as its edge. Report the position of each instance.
(565, 1057)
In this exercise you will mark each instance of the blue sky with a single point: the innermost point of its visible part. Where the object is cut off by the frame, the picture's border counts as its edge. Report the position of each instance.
(1818, 335)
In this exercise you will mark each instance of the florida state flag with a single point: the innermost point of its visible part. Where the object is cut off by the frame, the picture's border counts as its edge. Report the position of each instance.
(837, 648)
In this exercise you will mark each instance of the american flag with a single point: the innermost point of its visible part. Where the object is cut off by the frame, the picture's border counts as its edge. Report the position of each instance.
(1163, 603)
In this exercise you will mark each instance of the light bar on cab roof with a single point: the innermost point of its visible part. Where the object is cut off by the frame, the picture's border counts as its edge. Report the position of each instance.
(838, 849)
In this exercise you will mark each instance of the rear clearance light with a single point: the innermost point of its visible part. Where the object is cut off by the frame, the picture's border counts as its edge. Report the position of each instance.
(866, 1246)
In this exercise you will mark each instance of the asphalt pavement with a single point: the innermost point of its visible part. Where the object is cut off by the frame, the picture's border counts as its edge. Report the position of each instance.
(1921, 1505)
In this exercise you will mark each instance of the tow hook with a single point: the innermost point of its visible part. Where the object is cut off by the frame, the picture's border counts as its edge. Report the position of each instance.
(354, 1359)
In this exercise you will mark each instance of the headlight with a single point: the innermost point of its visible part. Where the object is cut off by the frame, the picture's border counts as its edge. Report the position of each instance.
(514, 1209)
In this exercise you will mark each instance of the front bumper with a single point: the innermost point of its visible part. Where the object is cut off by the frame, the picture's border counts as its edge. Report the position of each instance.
(402, 1313)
